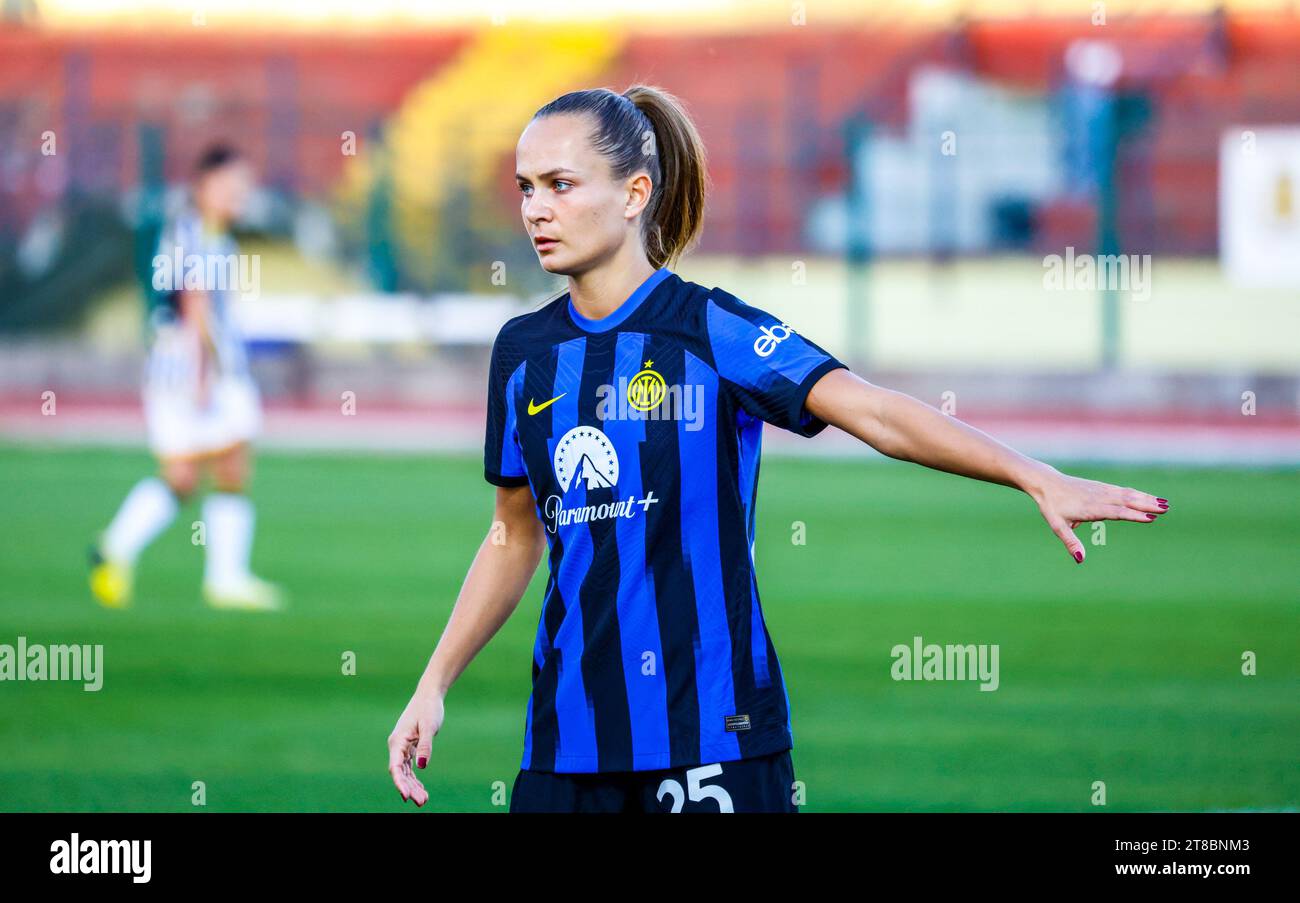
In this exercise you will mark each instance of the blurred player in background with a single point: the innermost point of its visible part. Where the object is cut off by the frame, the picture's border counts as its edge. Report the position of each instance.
(201, 404)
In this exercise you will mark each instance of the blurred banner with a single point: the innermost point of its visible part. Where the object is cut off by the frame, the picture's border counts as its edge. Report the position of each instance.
(1259, 216)
(1010, 203)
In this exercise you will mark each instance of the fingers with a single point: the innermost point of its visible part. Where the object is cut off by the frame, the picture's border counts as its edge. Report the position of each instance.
(415, 791)
(408, 785)
(425, 746)
(1139, 501)
(402, 748)
(398, 774)
(1121, 503)
(1131, 505)
(1072, 543)
(397, 763)
(420, 796)
(396, 750)
(1120, 512)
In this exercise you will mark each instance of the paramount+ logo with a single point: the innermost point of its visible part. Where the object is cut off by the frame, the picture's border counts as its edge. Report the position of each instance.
(771, 336)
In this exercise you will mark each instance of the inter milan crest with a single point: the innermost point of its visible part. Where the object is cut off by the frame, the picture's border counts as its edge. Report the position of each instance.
(646, 389)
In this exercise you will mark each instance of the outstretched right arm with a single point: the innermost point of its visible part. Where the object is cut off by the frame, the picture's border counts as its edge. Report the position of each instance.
(492, 589)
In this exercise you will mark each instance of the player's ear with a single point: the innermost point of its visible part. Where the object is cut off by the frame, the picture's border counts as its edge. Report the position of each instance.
(639, 189)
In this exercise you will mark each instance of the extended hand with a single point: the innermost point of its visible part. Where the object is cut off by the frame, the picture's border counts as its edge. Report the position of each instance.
(1066, 501)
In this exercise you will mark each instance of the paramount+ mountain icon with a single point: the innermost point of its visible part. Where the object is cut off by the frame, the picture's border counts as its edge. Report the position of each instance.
(590, 474)
(585, 453)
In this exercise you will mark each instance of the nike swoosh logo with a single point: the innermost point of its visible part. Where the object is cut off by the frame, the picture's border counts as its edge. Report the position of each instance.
(534, 408)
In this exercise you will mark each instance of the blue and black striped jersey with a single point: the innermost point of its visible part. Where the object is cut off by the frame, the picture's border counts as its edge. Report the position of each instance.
(639, 435)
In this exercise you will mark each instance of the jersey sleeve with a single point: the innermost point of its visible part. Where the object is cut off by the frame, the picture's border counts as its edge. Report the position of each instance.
(769, 366)
(503, 462)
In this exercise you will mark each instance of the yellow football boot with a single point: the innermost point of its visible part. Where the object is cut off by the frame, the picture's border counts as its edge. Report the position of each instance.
(110, 581)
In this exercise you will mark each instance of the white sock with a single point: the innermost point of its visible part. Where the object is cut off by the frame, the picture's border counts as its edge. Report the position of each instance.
(229, 520)
(146, 511)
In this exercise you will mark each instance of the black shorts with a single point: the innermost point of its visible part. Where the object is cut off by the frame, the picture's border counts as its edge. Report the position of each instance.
(760, 784)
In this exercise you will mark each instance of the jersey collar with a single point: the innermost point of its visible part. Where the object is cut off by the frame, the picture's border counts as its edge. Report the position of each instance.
(624, 310)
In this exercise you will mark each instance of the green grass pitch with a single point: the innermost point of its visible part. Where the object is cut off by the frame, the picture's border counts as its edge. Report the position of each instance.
(1126, 670)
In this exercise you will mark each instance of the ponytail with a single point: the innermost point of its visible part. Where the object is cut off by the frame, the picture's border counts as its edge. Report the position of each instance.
(676, 212)
(646, 128)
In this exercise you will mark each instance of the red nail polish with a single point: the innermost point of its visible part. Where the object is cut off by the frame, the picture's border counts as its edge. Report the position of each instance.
(1078, 556)
(1162, 501)
(1151, 517)
(422, 761)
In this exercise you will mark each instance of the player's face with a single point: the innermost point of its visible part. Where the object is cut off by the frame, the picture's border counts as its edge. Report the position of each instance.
(223, 193)
(569, 195)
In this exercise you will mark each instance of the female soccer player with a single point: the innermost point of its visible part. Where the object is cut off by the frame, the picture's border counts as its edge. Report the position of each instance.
(623, 431)
(201, 404)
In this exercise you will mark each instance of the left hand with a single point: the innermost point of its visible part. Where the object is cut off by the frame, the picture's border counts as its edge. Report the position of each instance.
(1066, 501)
(411, 742)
